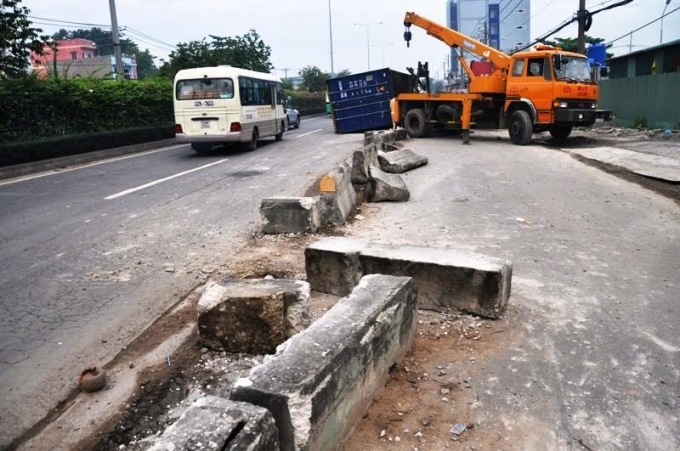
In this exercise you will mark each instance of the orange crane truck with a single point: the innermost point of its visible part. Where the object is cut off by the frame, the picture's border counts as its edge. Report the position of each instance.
(528, 92)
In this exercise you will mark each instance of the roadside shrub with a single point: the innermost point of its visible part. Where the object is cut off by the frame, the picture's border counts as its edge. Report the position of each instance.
(308, 102)
(640, 122)
(32, 108)
(28, 151)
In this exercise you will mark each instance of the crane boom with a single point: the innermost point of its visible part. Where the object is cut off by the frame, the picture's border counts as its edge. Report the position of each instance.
(455, 39)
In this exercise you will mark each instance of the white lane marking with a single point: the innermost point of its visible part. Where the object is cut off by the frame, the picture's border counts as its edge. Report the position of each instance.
(309, 133)
(314, 119)
(156, 182)
(86, 165)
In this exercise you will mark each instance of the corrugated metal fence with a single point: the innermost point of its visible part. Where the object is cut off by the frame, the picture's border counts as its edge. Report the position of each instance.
(654, 98)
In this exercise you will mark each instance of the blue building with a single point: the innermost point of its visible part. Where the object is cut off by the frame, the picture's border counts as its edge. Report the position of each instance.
(503, 24)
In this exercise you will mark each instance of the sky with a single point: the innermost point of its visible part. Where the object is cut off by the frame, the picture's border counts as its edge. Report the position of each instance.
(298, 30)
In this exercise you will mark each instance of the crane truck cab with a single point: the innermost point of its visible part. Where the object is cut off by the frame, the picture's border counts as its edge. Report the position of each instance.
(555, 91)
(546, 89)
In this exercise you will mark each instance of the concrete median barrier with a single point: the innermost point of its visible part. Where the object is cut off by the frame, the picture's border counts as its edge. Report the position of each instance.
(447, 280)
(338, 197)
(217, 424)
(324, 379)
(290, 215)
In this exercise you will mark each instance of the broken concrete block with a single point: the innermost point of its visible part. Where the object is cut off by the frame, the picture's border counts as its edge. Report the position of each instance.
(401, 134)
(388, 137)
(325, 378)
(338, 198)
(448, 280)
(290, 215)
(252, 316)
(216, 424)
(400, 161)
(369, 137)
(386, 147)
(334, 269)
(387, 187)
(362, 159)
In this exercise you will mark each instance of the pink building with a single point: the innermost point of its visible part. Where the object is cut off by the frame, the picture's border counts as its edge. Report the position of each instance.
(76, 58)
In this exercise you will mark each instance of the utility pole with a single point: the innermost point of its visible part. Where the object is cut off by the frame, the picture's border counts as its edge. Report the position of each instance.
(582, 27)
(285, 72)
(116, 41)
(330, 28)
(663, 14)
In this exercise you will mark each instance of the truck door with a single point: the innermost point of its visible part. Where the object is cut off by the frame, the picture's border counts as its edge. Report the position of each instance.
(537, 87)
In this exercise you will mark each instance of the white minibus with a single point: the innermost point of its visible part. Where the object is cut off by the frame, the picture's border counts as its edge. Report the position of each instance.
(224, 104)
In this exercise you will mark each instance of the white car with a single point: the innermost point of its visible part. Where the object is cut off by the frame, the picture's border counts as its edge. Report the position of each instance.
(293, 117)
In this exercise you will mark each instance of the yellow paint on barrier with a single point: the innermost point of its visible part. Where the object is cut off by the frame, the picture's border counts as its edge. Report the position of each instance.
(327, 184)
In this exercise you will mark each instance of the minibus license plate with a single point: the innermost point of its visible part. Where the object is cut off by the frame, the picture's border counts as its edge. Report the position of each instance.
(205, 124)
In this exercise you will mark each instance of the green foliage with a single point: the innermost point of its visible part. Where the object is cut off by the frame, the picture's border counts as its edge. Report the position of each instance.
(287, 83)
(571, 44)
(17, 39)
(307, 102)
(640, 122)
(145, 65)
(313, 79)
(247, 52)
(31, 108)
(343, 73)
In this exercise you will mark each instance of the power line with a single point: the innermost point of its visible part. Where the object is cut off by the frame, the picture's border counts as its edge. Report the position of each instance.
(513, 8)
(70, 22)
(76, 25)
(645, 25)
(149, 37)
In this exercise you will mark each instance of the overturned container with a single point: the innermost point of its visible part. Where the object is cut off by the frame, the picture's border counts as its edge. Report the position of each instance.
(361, 102)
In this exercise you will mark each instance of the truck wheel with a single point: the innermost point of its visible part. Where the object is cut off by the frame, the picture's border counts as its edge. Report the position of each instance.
(560, 133)
(415, 123)
(447, 113)
(520, 128)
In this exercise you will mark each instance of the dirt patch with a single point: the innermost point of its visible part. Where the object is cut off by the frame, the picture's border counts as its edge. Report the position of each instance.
(430, 400)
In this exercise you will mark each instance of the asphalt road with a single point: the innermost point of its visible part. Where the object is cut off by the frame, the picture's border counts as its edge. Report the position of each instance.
(92, 255)
(591, 357)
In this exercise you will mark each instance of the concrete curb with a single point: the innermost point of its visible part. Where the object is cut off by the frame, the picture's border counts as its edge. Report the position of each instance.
(20, 170)
(215, 424)
(324, 379)
(448, 280)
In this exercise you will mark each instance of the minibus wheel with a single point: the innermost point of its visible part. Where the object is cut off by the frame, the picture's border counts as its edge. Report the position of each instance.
(252, 145)
(279, 135)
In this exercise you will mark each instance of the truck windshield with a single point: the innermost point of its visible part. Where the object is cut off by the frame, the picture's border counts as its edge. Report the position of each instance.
(571, 68)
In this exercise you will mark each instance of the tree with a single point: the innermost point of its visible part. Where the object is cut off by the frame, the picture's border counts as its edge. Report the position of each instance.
(17, 39)
(571, 44)
(343, 73)
(247, 52)
(313, 79)
(145, 65)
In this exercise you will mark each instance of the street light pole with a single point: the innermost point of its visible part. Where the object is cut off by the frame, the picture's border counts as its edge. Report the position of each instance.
(368, 39)
(662, 14)
(330, 28)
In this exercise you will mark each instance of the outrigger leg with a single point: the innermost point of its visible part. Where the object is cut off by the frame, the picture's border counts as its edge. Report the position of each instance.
(466, 120)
